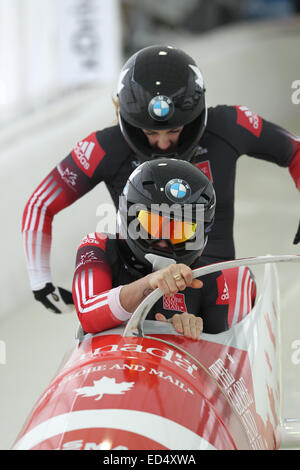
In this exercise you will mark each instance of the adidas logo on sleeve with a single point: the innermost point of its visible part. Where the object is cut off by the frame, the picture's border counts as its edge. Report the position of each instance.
(249, 120)
(88, 154)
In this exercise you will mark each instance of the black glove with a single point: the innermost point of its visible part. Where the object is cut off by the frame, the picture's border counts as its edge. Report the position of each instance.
(57, 299)
(297, 236)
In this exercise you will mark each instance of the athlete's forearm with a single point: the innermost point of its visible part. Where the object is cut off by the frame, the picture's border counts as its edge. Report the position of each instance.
(134, 293)
(131, 295)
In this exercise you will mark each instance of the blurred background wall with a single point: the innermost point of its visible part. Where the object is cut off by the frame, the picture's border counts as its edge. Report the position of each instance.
(48, 48)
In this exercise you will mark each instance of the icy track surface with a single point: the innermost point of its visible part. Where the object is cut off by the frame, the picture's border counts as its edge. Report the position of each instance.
(253, 65)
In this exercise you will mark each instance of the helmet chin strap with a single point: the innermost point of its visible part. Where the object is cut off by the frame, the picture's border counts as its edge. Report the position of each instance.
(159, 262)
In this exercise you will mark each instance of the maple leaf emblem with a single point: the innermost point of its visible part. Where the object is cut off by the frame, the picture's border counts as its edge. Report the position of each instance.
(87, 257)
(103, 386)
(69, 176)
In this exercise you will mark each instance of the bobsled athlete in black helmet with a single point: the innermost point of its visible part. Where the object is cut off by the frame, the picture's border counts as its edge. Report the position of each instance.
(161, 95)
(157, 205)
(161, 111)
(166, 213)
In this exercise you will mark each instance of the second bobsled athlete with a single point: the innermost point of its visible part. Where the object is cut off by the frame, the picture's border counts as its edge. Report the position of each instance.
(161, 112)
(163, 223)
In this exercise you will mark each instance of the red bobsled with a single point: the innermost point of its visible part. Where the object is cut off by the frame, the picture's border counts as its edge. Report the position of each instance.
(143, 386)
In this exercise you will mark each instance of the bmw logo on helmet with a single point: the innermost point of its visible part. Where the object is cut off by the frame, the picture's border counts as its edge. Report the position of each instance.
(161, 108)
(177, 190)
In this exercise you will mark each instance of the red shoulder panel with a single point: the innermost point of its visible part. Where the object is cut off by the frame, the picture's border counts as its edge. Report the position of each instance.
(87, 154)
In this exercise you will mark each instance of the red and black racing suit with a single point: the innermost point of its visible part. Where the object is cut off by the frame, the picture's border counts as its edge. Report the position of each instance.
(101, 272)
(231, 131)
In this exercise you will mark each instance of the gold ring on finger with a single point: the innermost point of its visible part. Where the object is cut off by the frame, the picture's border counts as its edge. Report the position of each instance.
(177, 277)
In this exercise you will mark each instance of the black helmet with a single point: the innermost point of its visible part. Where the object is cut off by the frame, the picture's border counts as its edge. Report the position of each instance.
(166, 199)
(161, 87)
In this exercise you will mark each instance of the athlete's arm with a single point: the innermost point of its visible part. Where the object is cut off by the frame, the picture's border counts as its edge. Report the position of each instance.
(133, 294)
(99, 305)
(96, 301)
(66, 183)
(250, 134)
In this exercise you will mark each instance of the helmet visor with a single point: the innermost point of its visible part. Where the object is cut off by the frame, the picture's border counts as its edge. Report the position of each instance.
(159, 227)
